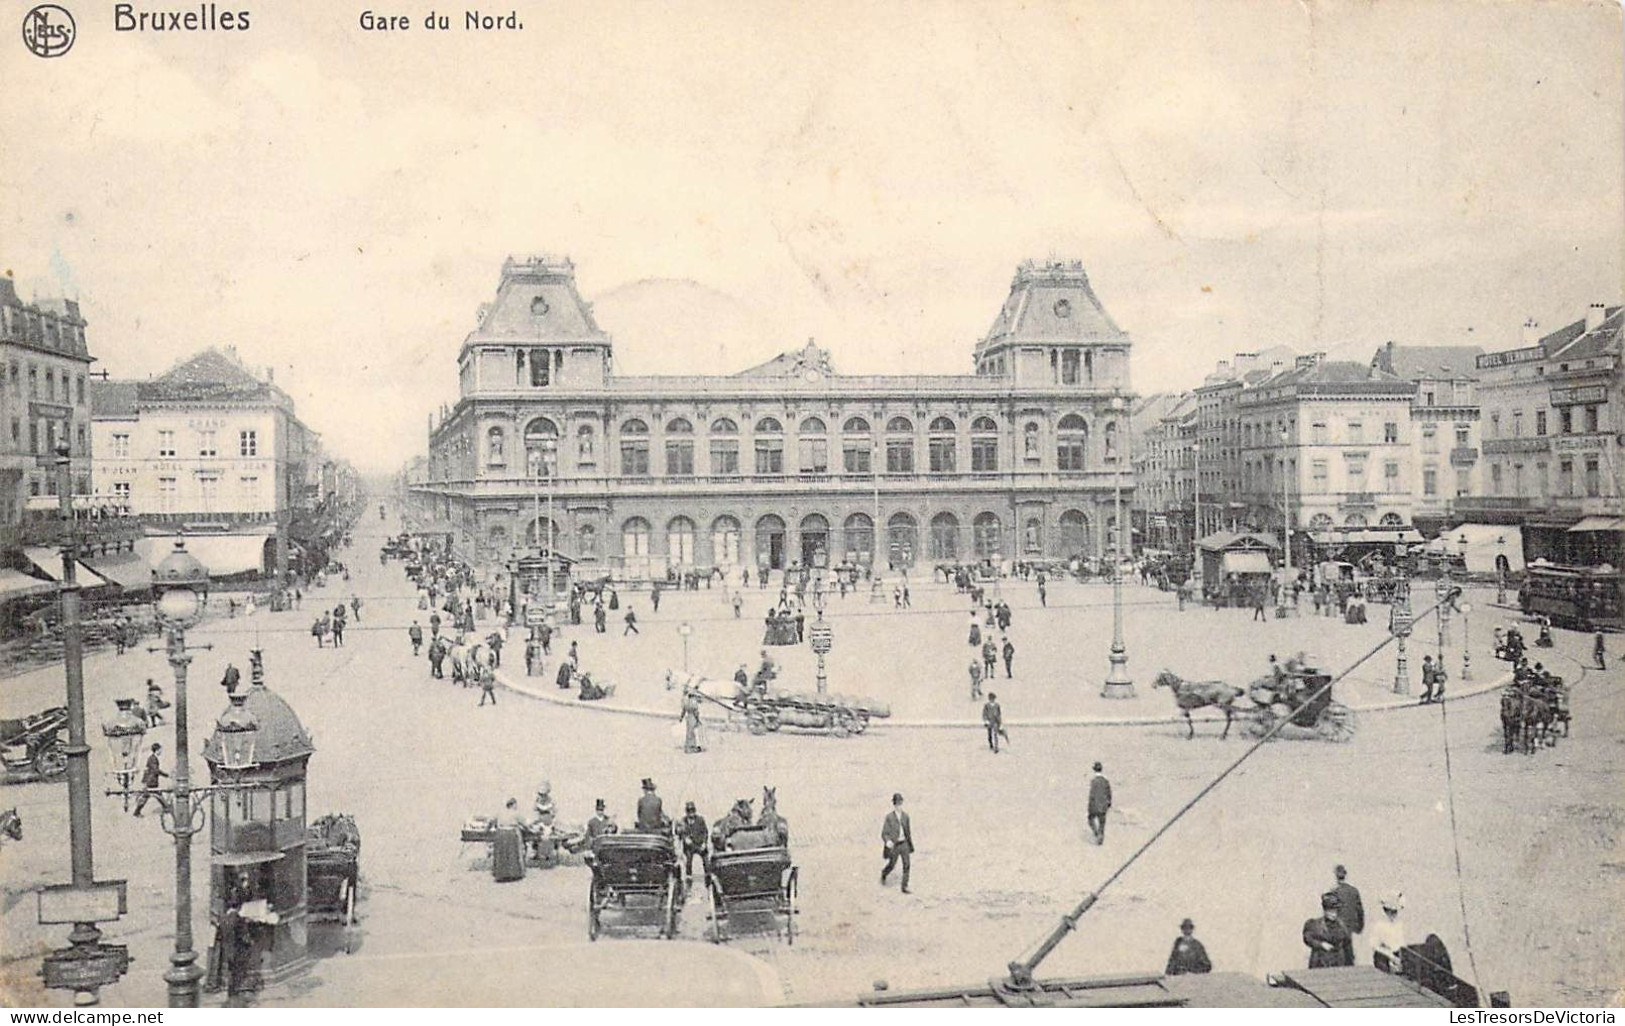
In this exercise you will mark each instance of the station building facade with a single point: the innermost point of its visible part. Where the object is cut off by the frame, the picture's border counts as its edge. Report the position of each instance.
(788, 461)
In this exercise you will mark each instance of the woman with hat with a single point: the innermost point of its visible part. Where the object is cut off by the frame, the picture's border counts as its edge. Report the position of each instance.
(1388, 934)
(1329, 942)
(1188, 955)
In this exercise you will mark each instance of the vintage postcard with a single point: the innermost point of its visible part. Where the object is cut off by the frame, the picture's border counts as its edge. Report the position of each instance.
(966, 504)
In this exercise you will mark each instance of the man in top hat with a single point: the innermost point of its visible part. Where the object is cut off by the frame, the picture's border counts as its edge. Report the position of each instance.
(696, 841)
(600, 823)
(150, 778)
(1349, 908)
(1329, 942)
(1188, 955)
(651, 814)
(897, 837)
(1100, 803)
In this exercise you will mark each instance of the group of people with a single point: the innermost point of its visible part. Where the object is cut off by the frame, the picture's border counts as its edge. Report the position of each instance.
(333, 623)
(1330, 936)
(986, 651)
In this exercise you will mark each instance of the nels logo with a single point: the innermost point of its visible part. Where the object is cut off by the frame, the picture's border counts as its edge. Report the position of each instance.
(48, 30)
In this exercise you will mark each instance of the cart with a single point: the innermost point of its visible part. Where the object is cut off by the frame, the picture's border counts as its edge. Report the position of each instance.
(1300, 696)
(841, 715)
(636, 874)
(758, 884)
(32, 747)
(333, 873)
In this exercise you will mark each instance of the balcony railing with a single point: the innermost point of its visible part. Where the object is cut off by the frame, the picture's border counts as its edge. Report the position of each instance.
(788, 481)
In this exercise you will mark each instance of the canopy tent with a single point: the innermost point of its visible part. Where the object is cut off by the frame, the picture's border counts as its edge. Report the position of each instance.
(49, 562)
(1220, 540)
(16, 584)
(1484, 544)
(1586, 524)
(224, 555)
(1245, 563)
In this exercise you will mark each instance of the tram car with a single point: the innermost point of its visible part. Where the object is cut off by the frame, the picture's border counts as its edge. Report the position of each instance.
(1581, 597)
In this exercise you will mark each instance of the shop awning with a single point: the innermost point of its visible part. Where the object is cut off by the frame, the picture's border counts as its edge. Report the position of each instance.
(16, 584)
(244, 858)
(1245, 563)
(50, 563)
(1599, 524)
(127, 570)
(223, 554)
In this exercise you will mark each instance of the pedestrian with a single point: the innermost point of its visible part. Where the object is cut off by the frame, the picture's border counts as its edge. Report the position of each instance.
(1258, 604)
(151, 776)
(654, 597)
(338, 631)
(745, 577)
(691, 829)
(437, 659)
(993, 720)
(1349, 907)
(1043, 595)
(1599, 653)
(801, 627)
(1188, 955)
(990, 658)
(415, 633)
(975, 638)
(907, 603)
(690, 715)
(495, 643)
(599, 617)
(1329, 942)
(897, 840)
(231, 678)
(574, 656)
(318, 630)
(566, 671)
(1009, 657)
(1100, 803)
(156, 704)
(975, 678)
(738, 602)
(434, 626)
(488, 684)
(631, 623)
(355, 607)
(544, 634)
(1388, 934)
(897, 598)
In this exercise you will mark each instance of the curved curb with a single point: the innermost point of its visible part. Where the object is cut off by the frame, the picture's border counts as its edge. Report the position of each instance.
(541, 695)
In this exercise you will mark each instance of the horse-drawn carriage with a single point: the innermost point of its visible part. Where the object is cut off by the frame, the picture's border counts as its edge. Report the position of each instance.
(33, 746)
(841, 715)
(636, 874)
(1297, 694)
(750, 878)
(333, 870)
(1532, 707)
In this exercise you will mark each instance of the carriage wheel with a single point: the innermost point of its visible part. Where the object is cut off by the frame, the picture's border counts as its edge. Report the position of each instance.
(348, 901)
(841, 723)
(770, 717)
(51, 762)
(1261, 722)
(715, 914)
(790, 908)
(861, 723)
(592, 912)
(1336, 723)
(756, 722)
(669, 931)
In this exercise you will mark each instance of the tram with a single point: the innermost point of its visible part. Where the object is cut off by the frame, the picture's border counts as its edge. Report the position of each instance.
(1583, 597)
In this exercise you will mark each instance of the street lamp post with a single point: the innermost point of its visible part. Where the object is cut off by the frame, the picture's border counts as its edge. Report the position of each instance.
(1286, 518)
(1118, 684)
(685, 629)
(1400, 627)
(822, 638)
(1466, 631)
(1196, 515)
(1500, 570)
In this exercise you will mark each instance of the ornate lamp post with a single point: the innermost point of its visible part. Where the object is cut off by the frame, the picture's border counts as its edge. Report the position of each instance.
(1466, 631)
(1400, 626)
(1118, 684)
(822, 638)
(685, 629)
(1500, 570)
(124, 733)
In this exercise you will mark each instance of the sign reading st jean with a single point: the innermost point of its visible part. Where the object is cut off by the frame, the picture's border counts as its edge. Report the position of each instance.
(473, 21)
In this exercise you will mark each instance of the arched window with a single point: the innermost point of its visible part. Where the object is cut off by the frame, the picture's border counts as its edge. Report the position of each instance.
(679, 448)
(769, 426)
(538, 529)
(634, 449)
(586, 446)
(942, 447)
(635, 537)
(945, 537)
(541, 448)
(902, 540)
(1391, 520)
(814, 540)
(899, 446)
(769, 447)
(770, 544)
(724, 426)
(587, 542)
(1071, 443)
(858, 535)
(679, 426)
(724, 447)
(495, 450)
(855, 426)
(680, 541)
(725, 541)
(984, 445)
(812, 447)
(1032, 537)
(1321, 522)
(1074, 533)
(1355, 520)
(497, 534)
(1029, 442)
(988, 536)
(857, 448)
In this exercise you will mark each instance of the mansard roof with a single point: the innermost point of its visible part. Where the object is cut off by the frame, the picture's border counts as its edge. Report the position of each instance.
(214, 375)
(537, 303)
(1050, 303)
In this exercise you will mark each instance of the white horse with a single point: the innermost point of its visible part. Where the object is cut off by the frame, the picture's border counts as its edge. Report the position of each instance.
(466, 658)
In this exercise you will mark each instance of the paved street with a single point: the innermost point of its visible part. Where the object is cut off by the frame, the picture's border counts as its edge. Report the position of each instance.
(1001, 848)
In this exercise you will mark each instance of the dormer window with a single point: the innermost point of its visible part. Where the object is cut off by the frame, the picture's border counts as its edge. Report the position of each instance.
(538, 307)
(1063, 308)
(541, 368)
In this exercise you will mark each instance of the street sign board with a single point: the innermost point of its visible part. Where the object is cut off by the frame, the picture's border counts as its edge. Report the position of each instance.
(85, 968)
(101, 902)
(535, 616)
(822, 637)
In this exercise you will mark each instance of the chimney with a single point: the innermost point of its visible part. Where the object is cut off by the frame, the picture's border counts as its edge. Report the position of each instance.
(1595, 314)
(1531, 331)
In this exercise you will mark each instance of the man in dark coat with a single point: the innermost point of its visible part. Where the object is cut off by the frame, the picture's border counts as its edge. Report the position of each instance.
(993, 720)
(1009, 657)
(566, 671)
(231, 679)
(897, 840)
(414, 633)
(651, 815)
(599, 618)
(434, 626)
(600, 823)
(150, 777)
(1100, 803)
(437, 659)
(1329, 942)
(696, 841)
(990, 657)
(1350, 908)
(494, 642)
(1188, 955)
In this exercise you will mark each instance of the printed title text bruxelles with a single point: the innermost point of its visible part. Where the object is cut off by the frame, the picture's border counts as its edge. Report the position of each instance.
(206, 18)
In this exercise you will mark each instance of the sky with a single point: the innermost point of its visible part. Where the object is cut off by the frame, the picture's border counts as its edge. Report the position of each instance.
(732, 180)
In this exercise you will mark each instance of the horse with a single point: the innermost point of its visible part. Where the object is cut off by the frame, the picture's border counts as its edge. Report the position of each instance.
(736, 821)
(467, 657)
(1191, 694)
(770, 820)
(1525, 718)
(11, 825)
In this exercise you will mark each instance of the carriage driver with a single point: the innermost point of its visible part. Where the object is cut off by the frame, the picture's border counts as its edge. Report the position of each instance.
(651, 815)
